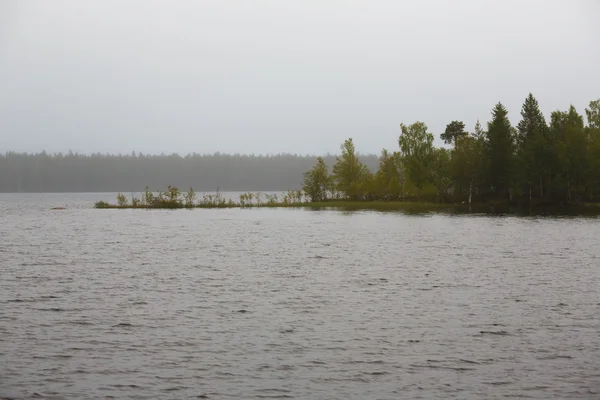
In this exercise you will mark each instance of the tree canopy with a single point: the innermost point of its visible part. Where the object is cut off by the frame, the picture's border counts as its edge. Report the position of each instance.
(533, 161)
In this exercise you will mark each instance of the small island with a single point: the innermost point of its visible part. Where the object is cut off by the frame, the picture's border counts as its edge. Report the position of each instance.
(534, 164)
(173, 198)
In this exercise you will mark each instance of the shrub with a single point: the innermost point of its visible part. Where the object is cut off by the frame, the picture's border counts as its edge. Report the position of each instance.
(102, 204)
(148, 197)
(135, 202)
(190, 197)
(121, 200)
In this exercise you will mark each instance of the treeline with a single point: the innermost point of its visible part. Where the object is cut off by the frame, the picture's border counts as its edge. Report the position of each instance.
(22, 172)
(535, 161)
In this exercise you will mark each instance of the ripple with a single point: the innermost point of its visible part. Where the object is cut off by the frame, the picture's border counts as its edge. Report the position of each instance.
(313, 305)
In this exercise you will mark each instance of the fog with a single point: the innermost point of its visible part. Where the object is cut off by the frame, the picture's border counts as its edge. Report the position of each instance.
(266, 77)
(133, 172)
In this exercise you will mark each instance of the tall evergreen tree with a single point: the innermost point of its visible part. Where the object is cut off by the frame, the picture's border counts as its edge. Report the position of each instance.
(532, 143)
(500, 140)
(479, 133)
(570, 149)
(532, 120)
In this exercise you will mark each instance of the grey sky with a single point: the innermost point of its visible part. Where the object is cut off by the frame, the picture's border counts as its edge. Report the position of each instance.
(280, 76)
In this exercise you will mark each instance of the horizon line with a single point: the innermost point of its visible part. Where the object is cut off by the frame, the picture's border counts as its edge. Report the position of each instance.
(170, 154)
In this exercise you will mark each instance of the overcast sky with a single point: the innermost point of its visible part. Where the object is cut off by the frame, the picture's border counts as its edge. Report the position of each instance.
(269, 76)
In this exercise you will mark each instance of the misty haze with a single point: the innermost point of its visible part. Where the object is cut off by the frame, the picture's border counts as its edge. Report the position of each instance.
(303, 200)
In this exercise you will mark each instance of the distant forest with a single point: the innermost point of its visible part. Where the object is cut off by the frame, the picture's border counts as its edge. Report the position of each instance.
(71, 172)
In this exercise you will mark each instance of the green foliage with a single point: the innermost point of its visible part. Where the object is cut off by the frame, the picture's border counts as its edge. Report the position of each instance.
(415, 141)
(271, 199)
(148, 197)
(439, 173)
(467, 166)
(500, 140)
(102, 204)
(246, 199)
(454, 131)
(190, 198)
(387, 180)
(121, 200)
(173, 194)
(135, 202)
(571, 142)
(317, 182)
(349, 172)
(416, 147)
(171, 198)
(532, 162)
(532, 121)
(292, 197)
(560, 162)
(214, 201)
(479, 133)
(592, 175)
(593, 114)
(533, 153)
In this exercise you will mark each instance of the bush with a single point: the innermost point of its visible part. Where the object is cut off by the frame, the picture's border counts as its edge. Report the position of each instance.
(121, 200)
(135, 202)
(190, 197)
(102, 204)
(148, 198)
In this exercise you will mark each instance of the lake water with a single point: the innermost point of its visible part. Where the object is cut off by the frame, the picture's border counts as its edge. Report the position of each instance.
(290, 303)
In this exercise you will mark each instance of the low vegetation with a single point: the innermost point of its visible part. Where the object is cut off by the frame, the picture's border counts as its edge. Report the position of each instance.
(174, 198)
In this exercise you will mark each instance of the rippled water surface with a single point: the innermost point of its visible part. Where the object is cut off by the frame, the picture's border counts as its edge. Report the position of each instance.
(298, 304)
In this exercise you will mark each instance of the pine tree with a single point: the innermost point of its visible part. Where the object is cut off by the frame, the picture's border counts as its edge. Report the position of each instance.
(500, 140)
(570, 149)
(454, 131)
(532, 142)
(532, 120)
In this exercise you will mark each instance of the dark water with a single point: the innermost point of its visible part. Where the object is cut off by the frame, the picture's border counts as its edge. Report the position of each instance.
(298, 304)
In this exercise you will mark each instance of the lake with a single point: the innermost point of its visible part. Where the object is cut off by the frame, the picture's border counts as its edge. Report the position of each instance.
(294, 303)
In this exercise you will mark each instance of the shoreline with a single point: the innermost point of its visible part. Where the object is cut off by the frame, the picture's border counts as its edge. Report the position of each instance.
(494, 207)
